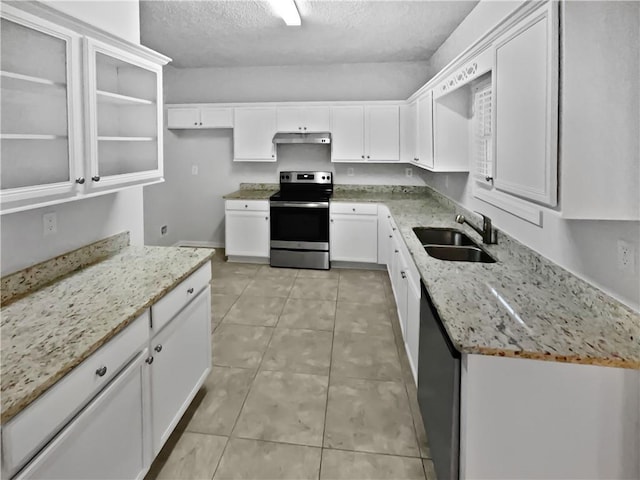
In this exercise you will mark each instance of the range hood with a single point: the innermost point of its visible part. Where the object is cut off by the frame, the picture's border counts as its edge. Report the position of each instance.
(323, 138)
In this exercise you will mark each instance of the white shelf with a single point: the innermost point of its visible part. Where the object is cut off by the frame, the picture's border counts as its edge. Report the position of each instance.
(18, 81)
(28, 136)
(126, 139)
(117, 99)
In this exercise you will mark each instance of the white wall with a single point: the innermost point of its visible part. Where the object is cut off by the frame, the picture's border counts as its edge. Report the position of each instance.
(199, 213)
(84, 221)
(586, 248)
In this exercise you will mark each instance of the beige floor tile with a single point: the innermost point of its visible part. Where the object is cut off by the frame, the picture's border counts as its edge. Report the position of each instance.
(369, 416)
(369, 292)
(240, 345)
(318, 273)
(360, 276)
(421, 435)
(267, 271)
(315, 288)
(249, 310)
(358, 355)
(270, 287)
(220, 305)
(309, 314)
(230, 285)
(363, 318)
(224, 394)
(195, 456)
(342, 465)
(225, 269)
(284, 407)
(255, 460)
(297, 350)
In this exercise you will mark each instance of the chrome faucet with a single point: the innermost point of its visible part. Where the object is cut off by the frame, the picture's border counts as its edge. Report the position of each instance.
(487, 232)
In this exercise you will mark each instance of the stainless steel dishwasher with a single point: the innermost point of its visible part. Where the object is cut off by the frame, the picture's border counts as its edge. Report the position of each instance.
(439, 390)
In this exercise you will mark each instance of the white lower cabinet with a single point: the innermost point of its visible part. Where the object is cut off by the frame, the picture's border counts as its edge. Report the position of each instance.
(181, 354)
(247, 228)
(107, 439)
(354, 232)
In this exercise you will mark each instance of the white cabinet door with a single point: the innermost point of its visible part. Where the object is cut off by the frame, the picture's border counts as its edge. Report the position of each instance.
(317, 119)
(408, 130)
(354, 238)
(399, 283)
(526, 108)
(382, 130)
(412, 337)
(290, 119)
(424, 133)
(107, 440)
(253, 133)
(216, 117)
(247, 233)
(183, 117)
(347, 132)
(384, 236)
(181, 355)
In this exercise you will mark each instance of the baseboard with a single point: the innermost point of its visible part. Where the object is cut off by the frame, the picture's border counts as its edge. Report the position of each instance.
(358, 265)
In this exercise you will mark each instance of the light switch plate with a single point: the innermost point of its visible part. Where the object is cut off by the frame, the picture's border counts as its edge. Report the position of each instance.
(49, 224)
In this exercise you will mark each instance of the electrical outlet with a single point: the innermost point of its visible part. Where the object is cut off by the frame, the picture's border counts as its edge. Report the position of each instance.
(408, 172)
(349, 172)
(163, 230)
(626, 257)
(194, 169)
(49, 224)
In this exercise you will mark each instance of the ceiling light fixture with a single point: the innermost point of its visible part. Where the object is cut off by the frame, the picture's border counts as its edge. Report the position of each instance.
(288, 11)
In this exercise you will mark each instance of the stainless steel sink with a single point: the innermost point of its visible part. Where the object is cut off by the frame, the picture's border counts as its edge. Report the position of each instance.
(451, 244)
(442, 236)
(459, 254)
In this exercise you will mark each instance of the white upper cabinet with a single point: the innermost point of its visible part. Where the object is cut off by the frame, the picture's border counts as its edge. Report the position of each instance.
(199, 117)
(52, 148)
(304, 119)
(365, 133)
(424, 132)
(254, 128)
(408, 132)
(40, 103)
(124, 112)
(526, 107)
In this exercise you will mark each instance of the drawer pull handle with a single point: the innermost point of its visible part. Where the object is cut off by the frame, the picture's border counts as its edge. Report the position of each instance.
(397, 251)
(158, 348)
(393, 228)
(102, 371)
(390, 236)
(190, 291)
(149, 360)
(96, 178)
(80, 180)
(403, 275)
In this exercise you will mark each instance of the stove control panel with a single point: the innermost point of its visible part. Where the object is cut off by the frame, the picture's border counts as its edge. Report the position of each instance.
(306, 177)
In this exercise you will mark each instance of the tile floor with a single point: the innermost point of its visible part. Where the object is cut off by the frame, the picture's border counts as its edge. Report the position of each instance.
(309, 380)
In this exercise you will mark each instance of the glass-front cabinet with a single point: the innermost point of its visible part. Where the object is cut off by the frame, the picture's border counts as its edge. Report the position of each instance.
(38, 101)
(123, 113)
(81, 111)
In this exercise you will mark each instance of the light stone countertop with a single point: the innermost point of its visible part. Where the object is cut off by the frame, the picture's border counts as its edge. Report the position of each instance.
(522, 305)
(52, 330)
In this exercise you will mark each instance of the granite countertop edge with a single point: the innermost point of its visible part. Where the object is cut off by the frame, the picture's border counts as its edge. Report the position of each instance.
(16, 406)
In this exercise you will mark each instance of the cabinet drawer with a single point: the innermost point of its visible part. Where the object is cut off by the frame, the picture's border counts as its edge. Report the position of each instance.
(249, 205)
(23, 435)
(355, 208)
(169, 305)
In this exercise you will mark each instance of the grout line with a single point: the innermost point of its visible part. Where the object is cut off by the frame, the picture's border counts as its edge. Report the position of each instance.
(368, 452)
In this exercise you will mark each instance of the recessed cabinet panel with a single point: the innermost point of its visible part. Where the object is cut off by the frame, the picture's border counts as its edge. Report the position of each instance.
(424, 134)
(247, 232)
(183, 117)
(526, 109)
(347, 131)
(317, 119)
(383, 133)
(408, 132)
(290, 119)
(216, 117)
(37, 108)
(253, 133)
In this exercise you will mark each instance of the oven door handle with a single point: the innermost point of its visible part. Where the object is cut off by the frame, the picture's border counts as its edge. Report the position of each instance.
(300, 204)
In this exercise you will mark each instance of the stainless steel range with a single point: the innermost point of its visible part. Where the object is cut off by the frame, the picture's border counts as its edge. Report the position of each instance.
(300, 220)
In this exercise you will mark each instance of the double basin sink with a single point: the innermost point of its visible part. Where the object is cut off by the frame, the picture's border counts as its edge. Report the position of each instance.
(451, 244)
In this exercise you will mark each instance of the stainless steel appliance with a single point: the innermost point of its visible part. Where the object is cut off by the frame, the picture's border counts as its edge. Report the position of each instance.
(439, 390)
(300, 220)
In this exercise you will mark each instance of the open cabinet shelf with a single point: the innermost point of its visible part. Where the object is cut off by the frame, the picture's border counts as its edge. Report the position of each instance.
(119, 99)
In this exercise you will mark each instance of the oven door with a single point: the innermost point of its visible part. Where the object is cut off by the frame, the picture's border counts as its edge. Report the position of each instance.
(300, 225)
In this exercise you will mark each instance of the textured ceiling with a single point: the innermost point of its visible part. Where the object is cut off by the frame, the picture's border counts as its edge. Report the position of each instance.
(223, 33)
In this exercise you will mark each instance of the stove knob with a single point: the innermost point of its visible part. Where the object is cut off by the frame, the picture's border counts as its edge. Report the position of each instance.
(323, 177)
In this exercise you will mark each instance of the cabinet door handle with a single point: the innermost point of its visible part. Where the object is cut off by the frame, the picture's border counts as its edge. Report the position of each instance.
(396, 251)
(266, 218)
(299, 128)
(158, 348)
(368, 156)
(102, 371)
(390, 236)
(353, 209)
(332, 220)
(149, 360)
(362, 156)
(403, 275)
(200, 123)
(393, 228)
(96, 178)
(305, 128)
(195, 123)
(190, 291)
(80, 180)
